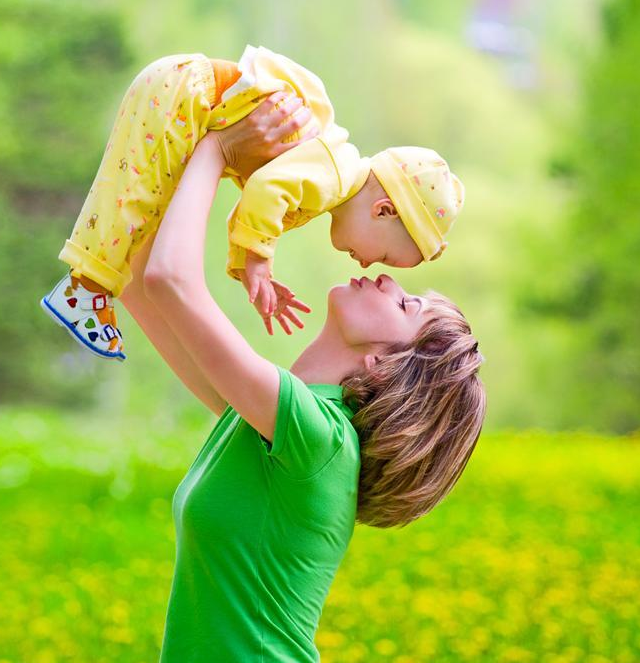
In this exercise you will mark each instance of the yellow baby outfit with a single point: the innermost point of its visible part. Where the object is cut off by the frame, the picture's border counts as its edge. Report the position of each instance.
(167, 109)
(326, 171)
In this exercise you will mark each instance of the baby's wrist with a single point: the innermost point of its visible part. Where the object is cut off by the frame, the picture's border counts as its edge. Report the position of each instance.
(255, 256)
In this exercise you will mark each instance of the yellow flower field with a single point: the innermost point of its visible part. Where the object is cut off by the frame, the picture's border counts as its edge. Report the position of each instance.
(534, 557)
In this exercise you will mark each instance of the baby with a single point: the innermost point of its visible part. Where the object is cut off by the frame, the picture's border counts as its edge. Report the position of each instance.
(394, 208)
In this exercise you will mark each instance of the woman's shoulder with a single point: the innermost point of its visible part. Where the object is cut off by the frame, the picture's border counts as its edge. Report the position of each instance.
(313, 426)
(326, 396)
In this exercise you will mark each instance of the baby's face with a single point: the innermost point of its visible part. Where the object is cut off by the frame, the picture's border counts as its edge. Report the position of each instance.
(369, 238)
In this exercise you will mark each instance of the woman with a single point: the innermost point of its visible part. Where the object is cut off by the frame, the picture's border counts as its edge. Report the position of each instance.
(374, 422)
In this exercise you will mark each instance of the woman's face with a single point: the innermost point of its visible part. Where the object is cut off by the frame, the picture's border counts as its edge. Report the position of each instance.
(380, 311)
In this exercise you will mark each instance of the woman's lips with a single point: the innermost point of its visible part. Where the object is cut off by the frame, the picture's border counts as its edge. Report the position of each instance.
(361, 281)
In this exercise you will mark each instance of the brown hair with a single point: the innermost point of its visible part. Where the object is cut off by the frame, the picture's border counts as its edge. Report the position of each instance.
(419, 413)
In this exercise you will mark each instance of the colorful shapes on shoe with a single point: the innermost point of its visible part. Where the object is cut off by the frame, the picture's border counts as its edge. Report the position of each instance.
(90, 324)
(93, 336)
(72, 302)
(108, 332)
(68, 292)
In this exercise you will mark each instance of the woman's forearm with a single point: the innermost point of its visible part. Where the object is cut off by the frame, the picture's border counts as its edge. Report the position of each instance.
(177, 257)
(157, 330)
(163, 338)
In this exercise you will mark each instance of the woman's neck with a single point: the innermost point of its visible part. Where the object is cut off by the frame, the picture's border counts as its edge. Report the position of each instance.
(327, 360)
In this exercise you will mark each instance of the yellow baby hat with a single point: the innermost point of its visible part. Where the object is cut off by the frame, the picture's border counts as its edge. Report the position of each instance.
(426, 194)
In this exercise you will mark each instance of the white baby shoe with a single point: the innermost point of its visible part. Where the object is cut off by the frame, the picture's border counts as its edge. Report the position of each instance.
(74, 309)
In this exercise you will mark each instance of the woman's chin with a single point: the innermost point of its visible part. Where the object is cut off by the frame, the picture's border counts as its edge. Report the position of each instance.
(338, 296)
(339, 290)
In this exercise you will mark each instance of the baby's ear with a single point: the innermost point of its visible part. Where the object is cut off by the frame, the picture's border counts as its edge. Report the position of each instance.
(384, 208)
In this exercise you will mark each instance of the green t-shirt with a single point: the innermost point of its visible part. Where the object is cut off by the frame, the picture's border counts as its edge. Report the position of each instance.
(261, 530)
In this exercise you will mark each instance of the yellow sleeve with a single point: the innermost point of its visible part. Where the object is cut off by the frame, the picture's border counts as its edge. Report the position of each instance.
(305, 177)
(236, 255)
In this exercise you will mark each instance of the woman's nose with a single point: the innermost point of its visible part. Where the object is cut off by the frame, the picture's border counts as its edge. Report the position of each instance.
(384, 279)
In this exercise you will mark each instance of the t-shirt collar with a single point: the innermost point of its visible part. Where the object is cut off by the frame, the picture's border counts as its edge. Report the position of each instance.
(332, 391)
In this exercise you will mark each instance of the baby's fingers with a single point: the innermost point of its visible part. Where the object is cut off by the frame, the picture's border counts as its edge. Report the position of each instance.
(283, 324)
(268, 324)
(274, 300)
(301, 306)
(265, 298)
(285, 291)
(293, 317)
(254, 287)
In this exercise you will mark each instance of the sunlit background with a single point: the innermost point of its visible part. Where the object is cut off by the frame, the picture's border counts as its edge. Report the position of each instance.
(535, 556)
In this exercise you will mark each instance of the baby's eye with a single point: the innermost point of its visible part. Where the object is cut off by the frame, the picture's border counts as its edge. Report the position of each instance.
(402, 305)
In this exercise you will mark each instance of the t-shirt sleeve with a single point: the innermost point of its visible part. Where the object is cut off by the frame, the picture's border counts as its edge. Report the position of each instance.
(309, 430)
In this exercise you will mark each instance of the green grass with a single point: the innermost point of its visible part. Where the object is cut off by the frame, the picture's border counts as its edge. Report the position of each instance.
(535, 556)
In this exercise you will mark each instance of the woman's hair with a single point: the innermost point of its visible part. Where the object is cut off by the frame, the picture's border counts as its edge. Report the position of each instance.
(418, 414)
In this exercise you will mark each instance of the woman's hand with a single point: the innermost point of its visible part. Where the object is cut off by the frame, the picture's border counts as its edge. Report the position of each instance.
(256, 139)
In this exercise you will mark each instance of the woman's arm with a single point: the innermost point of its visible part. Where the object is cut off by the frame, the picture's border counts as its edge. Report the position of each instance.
(153, 324)
(174, 281)
(174, 277)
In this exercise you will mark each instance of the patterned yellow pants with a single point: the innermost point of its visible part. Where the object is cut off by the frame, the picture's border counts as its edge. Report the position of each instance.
(165, 112)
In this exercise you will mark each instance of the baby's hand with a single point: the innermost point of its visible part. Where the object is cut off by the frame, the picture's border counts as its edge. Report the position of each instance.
(258, 284)
(285, 303)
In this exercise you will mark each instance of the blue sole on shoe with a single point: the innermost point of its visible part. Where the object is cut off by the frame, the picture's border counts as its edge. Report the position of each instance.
(52, 313)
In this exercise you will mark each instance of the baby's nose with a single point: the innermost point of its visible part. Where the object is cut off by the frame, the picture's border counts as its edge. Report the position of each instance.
(364, 263)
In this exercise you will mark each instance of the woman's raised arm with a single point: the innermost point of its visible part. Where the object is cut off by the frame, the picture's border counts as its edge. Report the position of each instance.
(174, 281)
(158, 331)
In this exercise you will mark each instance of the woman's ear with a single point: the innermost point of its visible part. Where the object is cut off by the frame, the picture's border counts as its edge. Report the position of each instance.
(370, 361)
(383, 208)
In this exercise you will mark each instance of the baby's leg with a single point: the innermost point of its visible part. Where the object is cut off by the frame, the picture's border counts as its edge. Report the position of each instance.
(163, 115)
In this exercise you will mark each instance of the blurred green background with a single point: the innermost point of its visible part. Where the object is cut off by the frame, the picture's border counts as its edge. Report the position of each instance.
(534, 557)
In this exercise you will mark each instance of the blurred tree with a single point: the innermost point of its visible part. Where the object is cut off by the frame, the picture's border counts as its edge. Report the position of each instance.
(591, 280)
(397, 71)
(53, 58)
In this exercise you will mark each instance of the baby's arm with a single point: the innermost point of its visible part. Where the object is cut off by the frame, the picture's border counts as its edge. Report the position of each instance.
(302, 178)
